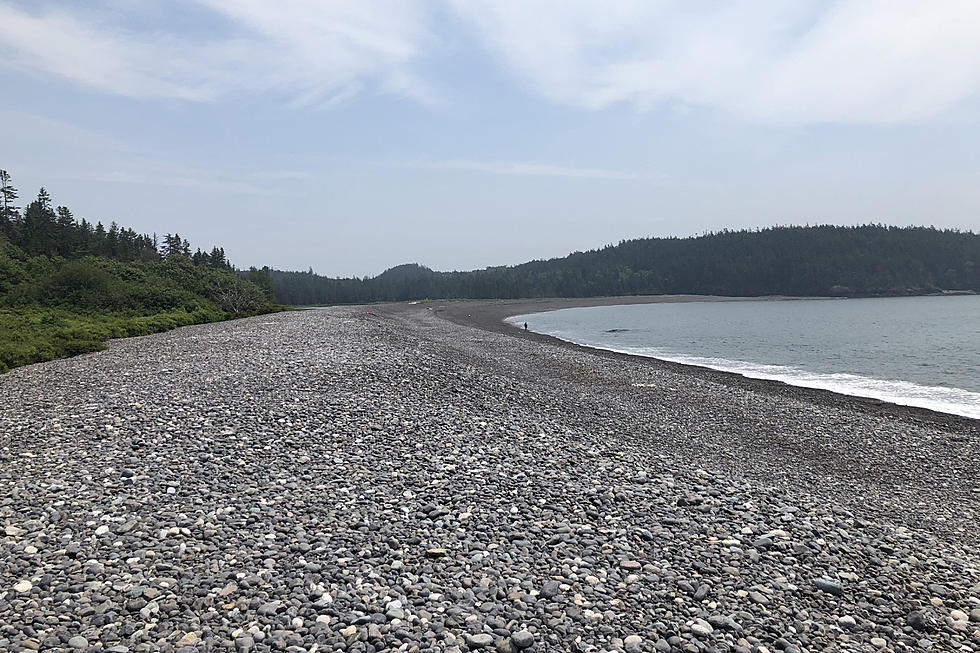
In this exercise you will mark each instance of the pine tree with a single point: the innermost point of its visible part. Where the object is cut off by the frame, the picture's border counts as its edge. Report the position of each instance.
(218, 259)
(171, 245)
(39, 226)
(112, 239)
(8, 212)
(98, 240)
(67, 241)
(44, 199)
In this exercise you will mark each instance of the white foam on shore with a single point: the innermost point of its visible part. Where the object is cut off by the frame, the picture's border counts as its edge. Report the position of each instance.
(954, 401)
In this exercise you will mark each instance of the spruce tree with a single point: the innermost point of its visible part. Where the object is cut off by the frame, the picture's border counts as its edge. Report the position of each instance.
(8, 212)
(67, 232)
(39, 226)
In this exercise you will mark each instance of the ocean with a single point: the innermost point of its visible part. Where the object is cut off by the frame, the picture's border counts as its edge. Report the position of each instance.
(914, 351)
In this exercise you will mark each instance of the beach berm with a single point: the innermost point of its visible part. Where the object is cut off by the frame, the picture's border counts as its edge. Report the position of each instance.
(384, 479)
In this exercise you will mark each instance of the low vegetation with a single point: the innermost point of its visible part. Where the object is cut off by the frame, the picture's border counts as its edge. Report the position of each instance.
(67, 286)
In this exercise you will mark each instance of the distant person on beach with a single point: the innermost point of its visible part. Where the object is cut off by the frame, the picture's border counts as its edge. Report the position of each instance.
(525, 326)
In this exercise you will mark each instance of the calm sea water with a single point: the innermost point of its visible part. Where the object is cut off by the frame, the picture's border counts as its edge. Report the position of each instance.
(916, 351)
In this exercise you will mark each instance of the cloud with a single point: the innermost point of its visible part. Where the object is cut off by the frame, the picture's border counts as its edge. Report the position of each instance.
(57, 42)
(850, 61)
(812, 61)
(331, 49)
(531, 169)
(311, 53)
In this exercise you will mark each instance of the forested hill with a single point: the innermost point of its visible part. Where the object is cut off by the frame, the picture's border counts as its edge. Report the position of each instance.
(800, 261)
(67, 285)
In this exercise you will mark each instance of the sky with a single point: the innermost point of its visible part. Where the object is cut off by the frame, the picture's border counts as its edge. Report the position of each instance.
(352, 136)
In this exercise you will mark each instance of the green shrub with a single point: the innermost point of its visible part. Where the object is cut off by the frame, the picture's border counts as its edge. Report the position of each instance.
(52, 307)
(79, 283)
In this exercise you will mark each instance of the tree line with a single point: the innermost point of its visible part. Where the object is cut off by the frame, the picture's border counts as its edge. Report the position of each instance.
(42, 229)
(67, 285)
(824, 260)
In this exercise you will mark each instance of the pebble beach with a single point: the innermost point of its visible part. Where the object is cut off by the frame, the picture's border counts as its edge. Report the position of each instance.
(427, 478)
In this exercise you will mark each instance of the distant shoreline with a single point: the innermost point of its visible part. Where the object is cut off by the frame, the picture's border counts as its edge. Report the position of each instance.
(626, 300)
(491, 315)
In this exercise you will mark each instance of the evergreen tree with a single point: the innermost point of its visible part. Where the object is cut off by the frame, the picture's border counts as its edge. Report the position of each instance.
(217, 258)
(172, 245)
(39, 227)
(8, 212)
(112, 240)
(67, 241)
(42, 230)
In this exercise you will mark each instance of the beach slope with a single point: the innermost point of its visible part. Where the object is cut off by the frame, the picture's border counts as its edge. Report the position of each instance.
(381, 478)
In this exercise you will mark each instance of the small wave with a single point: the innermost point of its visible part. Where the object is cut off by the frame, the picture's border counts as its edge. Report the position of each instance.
(954, 401)
(905, 393)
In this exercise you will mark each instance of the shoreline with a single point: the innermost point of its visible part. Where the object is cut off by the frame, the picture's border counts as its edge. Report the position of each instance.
(491, 315)
(380, 478)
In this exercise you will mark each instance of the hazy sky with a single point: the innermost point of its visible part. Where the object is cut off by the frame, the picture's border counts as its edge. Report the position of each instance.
(351, 136)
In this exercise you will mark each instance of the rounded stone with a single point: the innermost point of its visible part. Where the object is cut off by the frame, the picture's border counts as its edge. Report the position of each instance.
(702, 629)
(522, 639)
(847, 622)
(482, 640)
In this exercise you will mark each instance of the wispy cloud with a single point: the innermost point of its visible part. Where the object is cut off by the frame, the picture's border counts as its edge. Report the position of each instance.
(311, 53)
(533, 169)
(850, 61)
(842, 61)
(58, 42)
